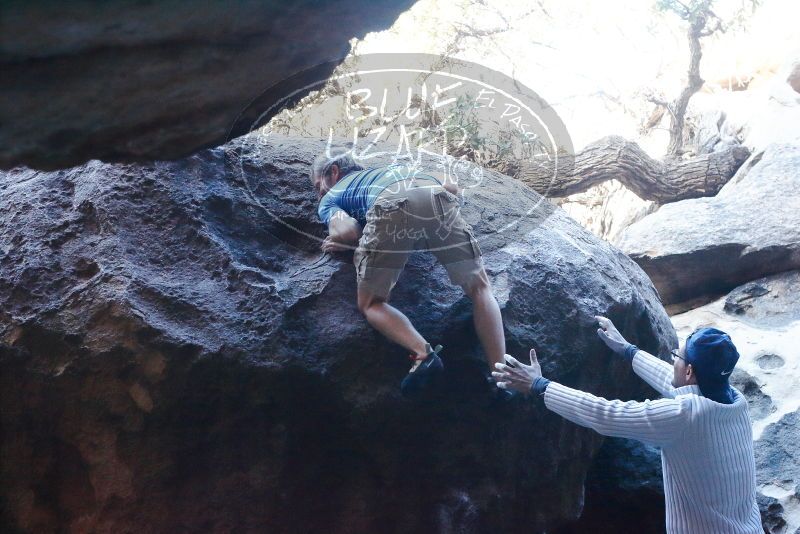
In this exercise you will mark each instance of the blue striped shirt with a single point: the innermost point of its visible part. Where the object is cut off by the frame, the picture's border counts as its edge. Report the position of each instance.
(356, 192)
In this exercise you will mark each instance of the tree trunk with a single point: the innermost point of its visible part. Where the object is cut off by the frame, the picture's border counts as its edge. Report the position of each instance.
(695, 83)
(614, 157)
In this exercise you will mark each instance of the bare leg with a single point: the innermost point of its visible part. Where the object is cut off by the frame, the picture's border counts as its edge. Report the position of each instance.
(391, 322)
(487, 318)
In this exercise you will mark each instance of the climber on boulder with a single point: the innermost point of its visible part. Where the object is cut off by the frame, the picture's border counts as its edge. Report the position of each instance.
(385, 213)
(702, 426)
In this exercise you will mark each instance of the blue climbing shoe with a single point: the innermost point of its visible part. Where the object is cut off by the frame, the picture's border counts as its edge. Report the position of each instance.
(420, 378)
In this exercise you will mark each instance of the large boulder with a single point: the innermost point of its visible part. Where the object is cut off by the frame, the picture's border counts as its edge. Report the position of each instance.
(126, 80)
(177, 355)
(697, 249)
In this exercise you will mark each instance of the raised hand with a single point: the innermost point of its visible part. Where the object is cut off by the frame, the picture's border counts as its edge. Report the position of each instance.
(516, 375)
(610, 335)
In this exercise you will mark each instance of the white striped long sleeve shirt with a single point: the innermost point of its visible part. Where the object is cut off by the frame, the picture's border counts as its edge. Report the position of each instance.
(706, 447)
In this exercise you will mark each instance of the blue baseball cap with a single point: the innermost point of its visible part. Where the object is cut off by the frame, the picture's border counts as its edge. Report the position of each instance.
(713, 357)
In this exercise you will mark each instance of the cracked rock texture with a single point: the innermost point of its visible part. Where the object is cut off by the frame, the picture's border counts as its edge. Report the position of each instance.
(177, 356)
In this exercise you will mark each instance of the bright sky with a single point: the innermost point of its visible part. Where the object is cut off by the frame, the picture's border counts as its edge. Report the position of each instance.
(592, 60)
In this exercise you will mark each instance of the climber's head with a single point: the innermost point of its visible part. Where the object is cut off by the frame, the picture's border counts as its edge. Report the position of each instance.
(329, 167)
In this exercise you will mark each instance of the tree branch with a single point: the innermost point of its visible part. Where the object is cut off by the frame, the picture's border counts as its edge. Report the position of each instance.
(614, 157)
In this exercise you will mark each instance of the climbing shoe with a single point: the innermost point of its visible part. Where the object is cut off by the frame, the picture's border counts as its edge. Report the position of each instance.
(421, 378)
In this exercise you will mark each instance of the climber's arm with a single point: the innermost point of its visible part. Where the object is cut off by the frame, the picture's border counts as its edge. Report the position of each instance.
(344, 229)
(344, 233)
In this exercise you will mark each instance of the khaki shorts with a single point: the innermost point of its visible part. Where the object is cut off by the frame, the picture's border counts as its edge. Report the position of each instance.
(414, 214)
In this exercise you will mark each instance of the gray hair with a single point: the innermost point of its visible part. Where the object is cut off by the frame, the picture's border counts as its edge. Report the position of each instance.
(341, 155)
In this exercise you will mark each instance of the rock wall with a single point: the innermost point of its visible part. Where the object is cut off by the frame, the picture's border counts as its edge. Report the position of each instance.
(698, 249)
(177, 355)
(624, 491)
(607, 209)
(125, 80)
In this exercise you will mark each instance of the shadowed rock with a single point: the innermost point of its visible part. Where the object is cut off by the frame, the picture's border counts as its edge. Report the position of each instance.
(624, 487)
(771, 514)
(178, 356)
(126, 80)
(759, 403)
(778, 465)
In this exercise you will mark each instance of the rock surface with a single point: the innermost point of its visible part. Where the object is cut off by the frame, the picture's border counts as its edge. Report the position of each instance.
(607, 209)
(177, 356)
(701, 248)
(759, 403)
(771, 515)
(768, 301)
(624, 487)
(778, 466)
(131, 81)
